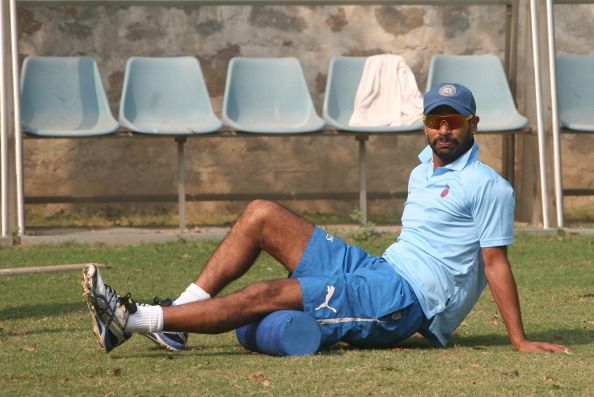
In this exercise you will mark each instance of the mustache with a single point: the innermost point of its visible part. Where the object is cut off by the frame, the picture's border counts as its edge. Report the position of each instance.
(445, 139)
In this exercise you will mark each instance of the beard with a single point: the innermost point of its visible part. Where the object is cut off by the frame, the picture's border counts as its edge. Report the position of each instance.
(449, 149)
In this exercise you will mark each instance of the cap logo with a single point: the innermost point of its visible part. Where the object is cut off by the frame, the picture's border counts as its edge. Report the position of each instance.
(447, 90)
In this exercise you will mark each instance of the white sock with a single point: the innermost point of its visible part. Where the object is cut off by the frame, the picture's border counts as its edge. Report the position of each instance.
(148, 318)
(192, 294)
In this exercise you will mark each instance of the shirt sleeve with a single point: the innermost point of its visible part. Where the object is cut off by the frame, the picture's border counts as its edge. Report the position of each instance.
(493, 208)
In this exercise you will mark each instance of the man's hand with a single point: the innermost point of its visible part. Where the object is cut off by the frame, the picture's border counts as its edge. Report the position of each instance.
(537, 346)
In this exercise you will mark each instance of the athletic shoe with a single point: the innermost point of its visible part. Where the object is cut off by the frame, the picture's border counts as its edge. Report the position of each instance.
(172, 341)
(109, 311)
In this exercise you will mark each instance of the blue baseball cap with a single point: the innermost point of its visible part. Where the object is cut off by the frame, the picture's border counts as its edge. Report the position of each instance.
(454, 95)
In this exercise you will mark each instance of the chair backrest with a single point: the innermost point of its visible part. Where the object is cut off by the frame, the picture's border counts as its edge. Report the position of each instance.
(575, 91)
(64, 96)
(268, 95)
(344, 76)
(166, 96)
(485, 77)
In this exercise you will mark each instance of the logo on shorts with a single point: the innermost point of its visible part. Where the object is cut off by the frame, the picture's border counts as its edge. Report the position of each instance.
(329, 294)
(329, 237)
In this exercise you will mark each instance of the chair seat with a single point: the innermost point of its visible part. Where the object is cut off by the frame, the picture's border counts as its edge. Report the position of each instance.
(417, 125)
(49, 126)
(64, 97)
(152, 126)
(278, 126)
(495, 124)
(578, 120)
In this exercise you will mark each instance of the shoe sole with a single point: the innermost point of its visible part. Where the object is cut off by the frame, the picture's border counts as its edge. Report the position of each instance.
(160, 343)
(87, 293)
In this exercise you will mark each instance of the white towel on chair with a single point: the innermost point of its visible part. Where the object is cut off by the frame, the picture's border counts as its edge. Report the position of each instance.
(387, 94)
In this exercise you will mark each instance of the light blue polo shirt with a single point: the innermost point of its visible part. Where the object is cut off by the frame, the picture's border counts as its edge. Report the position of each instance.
(449, 214)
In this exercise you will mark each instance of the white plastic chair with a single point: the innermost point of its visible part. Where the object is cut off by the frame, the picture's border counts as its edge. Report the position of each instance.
(575, 104)
(64, 97)
(344, 75)
(575, 92)
(167, 96)
(268, 95)
(485, 77)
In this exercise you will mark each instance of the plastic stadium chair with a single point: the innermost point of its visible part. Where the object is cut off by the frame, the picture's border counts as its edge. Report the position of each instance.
(341, 87)
(268, 95)
(575, 91)
(485, 76)
(167, 96)
(64, 97)
(343, 80)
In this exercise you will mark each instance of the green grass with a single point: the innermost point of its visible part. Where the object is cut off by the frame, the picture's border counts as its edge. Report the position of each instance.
(47, 347)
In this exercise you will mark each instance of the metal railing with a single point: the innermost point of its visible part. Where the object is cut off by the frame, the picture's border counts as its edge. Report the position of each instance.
(11, 20)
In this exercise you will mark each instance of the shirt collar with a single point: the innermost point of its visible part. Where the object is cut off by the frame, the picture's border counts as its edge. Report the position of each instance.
(426, 157)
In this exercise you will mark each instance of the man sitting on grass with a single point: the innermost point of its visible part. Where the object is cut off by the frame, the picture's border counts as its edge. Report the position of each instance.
(456, 226)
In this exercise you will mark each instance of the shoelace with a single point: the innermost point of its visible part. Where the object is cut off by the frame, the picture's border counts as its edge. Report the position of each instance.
(162, 302)
(126, 300)
(128, 303)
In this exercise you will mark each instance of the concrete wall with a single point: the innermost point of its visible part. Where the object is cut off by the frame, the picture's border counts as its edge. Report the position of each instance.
(313, 34)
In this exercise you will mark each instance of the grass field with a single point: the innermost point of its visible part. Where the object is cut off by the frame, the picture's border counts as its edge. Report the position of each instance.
(47, 347)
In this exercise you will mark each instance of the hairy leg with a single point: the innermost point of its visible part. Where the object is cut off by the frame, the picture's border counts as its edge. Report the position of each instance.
(229, 312)
(263, 226)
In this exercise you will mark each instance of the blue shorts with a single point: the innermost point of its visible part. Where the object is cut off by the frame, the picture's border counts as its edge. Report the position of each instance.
(356, 297)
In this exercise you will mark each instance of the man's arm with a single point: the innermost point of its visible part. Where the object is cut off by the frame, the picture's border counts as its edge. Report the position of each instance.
(503, 287)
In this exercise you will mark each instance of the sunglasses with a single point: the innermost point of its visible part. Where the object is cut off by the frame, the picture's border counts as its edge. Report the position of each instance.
(454, 121)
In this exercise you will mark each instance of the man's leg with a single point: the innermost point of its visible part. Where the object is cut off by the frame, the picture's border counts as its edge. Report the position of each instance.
(263, 226)
(229, 312)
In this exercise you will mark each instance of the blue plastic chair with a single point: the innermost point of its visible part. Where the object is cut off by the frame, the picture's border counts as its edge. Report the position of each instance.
(575, 91)
(64, 97)
(344, 75)
(485, 76)
(268, 95)
(168, 96)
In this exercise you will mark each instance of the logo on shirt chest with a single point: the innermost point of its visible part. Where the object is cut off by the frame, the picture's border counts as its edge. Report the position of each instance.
(445, 191)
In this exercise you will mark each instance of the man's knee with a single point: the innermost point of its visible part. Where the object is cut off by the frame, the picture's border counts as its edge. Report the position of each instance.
(278, 294)
(258, 210)
(263, 290)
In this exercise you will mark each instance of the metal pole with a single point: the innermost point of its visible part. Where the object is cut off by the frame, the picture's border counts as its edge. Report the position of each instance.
(507, 140)
(18, 139)
(539, 123)
(181, 182)
(362, 179)
(3, 122)
(555, 115)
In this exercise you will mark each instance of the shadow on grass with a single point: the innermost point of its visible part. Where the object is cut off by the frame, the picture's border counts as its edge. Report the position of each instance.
(41, 310)
(565, 336)
(156, 353)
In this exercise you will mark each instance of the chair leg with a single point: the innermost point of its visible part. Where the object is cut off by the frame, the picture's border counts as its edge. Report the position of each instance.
(181, 182)
(508, 157)
(362, 178)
